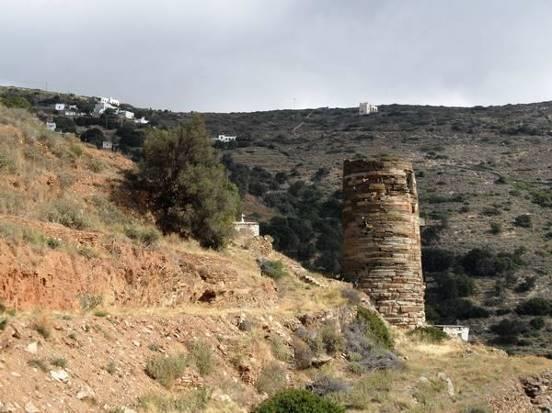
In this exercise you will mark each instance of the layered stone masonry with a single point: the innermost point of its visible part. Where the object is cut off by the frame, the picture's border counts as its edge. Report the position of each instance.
(381, 233)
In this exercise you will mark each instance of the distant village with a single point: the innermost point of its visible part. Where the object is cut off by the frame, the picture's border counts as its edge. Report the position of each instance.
(103, 104)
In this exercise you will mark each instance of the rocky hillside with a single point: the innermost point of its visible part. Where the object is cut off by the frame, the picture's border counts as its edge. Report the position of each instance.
(100, 312)
(483, 175)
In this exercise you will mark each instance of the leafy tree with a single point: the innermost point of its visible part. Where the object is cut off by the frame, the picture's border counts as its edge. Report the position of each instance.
(191, 193)
(94, 136)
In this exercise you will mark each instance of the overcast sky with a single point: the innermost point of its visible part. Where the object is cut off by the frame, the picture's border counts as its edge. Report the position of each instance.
(244, 55)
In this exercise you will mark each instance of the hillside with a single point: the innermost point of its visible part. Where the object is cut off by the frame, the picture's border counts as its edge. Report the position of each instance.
(100, 312)
(484, 180)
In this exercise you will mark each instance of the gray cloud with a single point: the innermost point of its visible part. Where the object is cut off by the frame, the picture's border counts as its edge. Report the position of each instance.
(222, 55)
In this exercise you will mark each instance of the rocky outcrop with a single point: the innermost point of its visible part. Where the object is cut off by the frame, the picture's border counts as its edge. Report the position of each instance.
(539, 390)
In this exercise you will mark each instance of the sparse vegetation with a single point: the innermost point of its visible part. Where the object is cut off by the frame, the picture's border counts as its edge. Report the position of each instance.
(298, 401)
(189, 402)
(166, 369)
(202, 357)
(271, 379)
(273, 269)
(429, 334)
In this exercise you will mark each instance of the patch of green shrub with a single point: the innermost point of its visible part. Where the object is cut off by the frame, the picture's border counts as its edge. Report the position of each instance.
(273, 269)
(145, 235)
(298, 401)
(535, 306)
(190, 402)
(375, 327)
(68, 213)
(429, 334)
(166, 369)
(523, 221)
(202, 357)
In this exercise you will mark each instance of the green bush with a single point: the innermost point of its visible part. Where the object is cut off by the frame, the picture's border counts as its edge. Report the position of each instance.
(298, 401)
(144, 234)
(375, 327)
(523, 221)
(165, 369)
(429, 334)
(535, 306)
(68, 213)
(273, 269)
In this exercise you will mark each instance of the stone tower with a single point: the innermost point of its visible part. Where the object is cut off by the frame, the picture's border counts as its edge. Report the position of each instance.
(381, 237)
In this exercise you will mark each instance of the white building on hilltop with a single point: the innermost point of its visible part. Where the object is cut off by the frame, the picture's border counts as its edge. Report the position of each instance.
(110, 101)
(51, 126)
(102, 106)
(126, 114)
(59, 107)
(226, 138)
(365, 108)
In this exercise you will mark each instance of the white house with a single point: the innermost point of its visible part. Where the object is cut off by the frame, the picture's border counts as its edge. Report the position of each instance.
(365, 108)
(108, 145)
(141, 121)
(456, 331)
(60, 107)
(225, 138)
(126, 114)
(102, 106)
(110, 101)
(73, 107)
(247, 228)
(51, 126)
(70, 113)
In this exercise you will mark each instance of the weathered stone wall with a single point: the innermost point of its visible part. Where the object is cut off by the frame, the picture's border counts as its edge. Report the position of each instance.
(381, 247)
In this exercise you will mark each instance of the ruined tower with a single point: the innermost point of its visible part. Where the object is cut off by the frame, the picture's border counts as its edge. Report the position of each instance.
(381, 237)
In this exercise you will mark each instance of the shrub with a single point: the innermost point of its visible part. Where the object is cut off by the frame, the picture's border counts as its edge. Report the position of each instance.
(271, 379)
(273, 269)
(537, 323)
(59, 362)
(202, 357)
(165, 369)
(535, 306)
(279, 349)
(90, 301)
(302, 354)
(190, 402)
(191, 193)
(352, 295)
(374, 327)
(3, 323)
(523, 221)
(42, 327)
(145, 235)
(324, 385)
(496, 228)
(429, 334)
(298, 401)
(67, 213)
(437, 260)
(38, 364)
(331, 338)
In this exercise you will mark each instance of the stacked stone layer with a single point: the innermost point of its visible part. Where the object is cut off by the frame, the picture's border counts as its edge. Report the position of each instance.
(381, 247)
